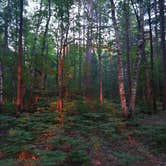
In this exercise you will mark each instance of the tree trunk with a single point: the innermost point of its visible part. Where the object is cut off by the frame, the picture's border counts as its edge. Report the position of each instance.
(6, 27)
(100, 79)
(134, 80)
(140, 21)
(120, 65)
(1, 86)
(127, 39)
(88, 64)
(151, 60)
(88, 54)
(39, 21)
(157, 51)
(80, 55)
(60, 79)
(144, 57)
(156, 29)
(147, 80)
(19, 75)
(80, 63)
(100, 62)
(63, 51)
(5, 51)
(163, 48)
(43, 50)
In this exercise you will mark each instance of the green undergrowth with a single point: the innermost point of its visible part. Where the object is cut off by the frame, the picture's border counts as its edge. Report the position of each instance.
(127, 158)
(87, 126)
(69, 145)
(153, 135)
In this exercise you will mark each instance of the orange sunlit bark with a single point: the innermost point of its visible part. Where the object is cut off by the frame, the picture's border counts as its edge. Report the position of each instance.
(101, 92)
(60, 78)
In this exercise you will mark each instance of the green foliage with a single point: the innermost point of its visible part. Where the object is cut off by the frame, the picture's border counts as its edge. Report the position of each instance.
(80, 106)
(88, 126)
(7, 162)
(127, 158)
(52, 157)
(20, 136)
(9, 108)
(79, 157)
(156, 136)
(5, 122)
(11, 150)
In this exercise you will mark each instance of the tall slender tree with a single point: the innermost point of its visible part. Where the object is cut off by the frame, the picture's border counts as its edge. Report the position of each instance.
(120, 65)
(127, 41)
(140, 43)
(163, 47)
(99, 45)
(20, 52)
(88, 54)
(152, 58)
(1, 85)
(64, 14)
(43, 50)
(4, 48)
(38, 22)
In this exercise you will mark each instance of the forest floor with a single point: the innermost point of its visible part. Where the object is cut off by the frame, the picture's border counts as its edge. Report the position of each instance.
(91, 135)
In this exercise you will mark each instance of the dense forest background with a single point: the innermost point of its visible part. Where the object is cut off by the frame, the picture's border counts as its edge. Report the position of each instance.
(65, 49)
(62, 59)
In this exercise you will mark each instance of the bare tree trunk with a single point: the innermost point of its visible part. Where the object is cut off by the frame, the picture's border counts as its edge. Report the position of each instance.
(1, 85)
(147, 80)
(80, 63)
(100, 79)
(151, 60)
(120, 65)
(39, 21)
(6, 27)
(127, 39)
(134, 80)
(63, 51)
(19, 75)
(5, 50)
(145, 64)
(156, 28)
(88, 64)
(60, 79)
(36, 83)
(156, 46)
(163, 48)
(88, 54)
(100, 62)
(140, 21)
(44, 76)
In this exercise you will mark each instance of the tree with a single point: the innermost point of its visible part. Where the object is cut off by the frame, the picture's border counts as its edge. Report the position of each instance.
(4, 48)
(163, 48)
(120, 65)
(64, 15)
(127, 41)
(88, 54)
(43, 50)
(140, 22)
(20, 51)
(38, 21)
(1, 85)
(151, 58)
